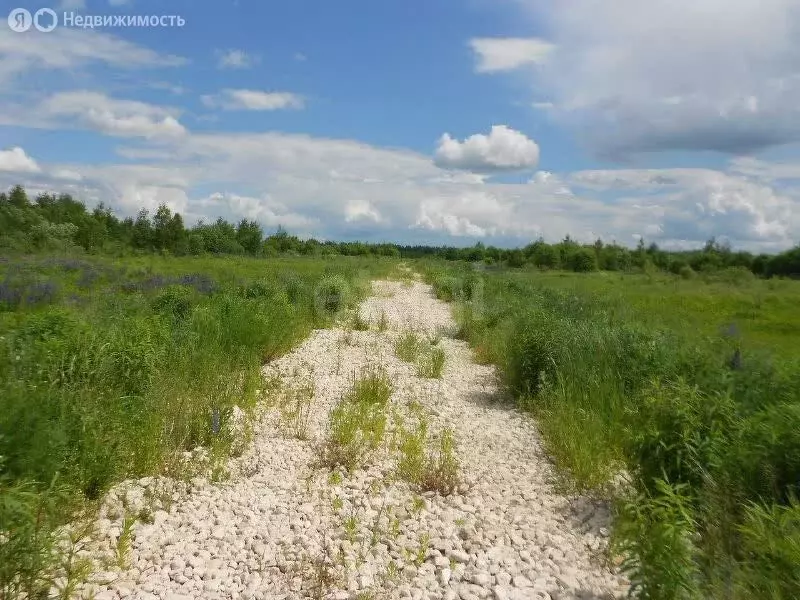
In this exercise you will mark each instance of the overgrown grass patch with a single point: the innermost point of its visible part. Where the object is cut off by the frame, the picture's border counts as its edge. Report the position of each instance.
(357, 423)
(426, 355)
(121, 366)
(689, 385)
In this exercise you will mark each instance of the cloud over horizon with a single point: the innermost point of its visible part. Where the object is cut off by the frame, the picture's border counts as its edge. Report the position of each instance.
(138, 134)
(634, 77)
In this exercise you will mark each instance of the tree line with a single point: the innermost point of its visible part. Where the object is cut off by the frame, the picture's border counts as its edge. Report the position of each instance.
(55, 222)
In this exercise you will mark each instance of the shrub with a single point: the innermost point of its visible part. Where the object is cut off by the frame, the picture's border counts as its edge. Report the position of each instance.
(29, 517)
(331, 295)
(770, 537)
(582, 260)
(677, 433)
(655, 535)
(174, 301)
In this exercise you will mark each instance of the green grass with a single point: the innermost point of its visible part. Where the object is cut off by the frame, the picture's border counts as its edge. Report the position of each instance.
(429, 470)
(357, 422)
(426, 355)
(635, 373)
(111, 369)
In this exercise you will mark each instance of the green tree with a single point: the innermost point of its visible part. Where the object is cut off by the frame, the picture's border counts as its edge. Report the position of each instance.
(143, 234)
(250, 236)
(18, 197)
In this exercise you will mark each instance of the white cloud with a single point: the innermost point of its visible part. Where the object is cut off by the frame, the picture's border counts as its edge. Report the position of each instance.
(334, 188)
(695, 204)
(172, 88)
(71, 4)
(253, 100)
(634, 76)
(66, 175)
(236, 59)
(507, 54)
(66, 49)
(124, 118)
(764, 170)
(264, 210)
(361, 210)
(300, 57)
(119, 2)
(503, 149)
(15, 160)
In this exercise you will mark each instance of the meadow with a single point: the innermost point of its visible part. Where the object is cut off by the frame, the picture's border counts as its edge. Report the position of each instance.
(112, 369)
(676, 398)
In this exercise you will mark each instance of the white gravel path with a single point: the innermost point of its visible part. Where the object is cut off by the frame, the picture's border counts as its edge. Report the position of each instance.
(281, 528)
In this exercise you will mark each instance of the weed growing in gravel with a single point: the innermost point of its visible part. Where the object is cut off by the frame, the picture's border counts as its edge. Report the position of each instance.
(383, 322)
(76, 568)
(123, 547)
(437, 471)
(431, 364)
(358, 322)
(295, 410)
(321, 575)
(350, 525)
(357, 422)
(407, 347)
(411, 461)
(441, 472)
(422, 550)
(428, 357)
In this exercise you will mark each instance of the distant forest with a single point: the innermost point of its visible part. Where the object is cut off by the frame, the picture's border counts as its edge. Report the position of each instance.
(59, 222)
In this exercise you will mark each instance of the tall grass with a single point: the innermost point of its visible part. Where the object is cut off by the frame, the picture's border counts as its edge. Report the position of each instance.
(624, 382)
(121, 367)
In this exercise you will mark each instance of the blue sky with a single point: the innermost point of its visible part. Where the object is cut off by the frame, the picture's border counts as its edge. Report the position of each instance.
(417, 121)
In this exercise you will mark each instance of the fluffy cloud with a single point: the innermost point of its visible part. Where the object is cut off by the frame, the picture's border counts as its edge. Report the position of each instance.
(253, 100)
(236, 59)
(340, 188)
(361, 210)
(687, 205)
(664, 74)
(503, 149)
(122, 118)
(343, 189)
(506, 54)
(16, 161)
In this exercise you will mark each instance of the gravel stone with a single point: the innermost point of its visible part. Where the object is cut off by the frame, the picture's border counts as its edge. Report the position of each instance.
(273, 527)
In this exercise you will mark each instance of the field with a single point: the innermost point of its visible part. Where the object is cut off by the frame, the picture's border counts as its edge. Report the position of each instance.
(676, 399)
(112, 369)
(679, 399)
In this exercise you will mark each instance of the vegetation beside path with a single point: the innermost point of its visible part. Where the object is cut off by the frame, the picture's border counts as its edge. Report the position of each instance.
(113, 369)
(690, 389)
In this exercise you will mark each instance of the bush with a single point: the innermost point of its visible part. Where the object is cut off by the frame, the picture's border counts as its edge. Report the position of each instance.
(655, 534)
(331, 295)
(175, 301)
(582, 260)
(532, 353)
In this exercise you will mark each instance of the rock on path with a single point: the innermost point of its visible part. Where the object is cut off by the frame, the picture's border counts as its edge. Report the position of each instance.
(282, 528)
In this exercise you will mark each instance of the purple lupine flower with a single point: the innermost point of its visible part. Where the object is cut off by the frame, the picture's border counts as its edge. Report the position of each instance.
(44, 292)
